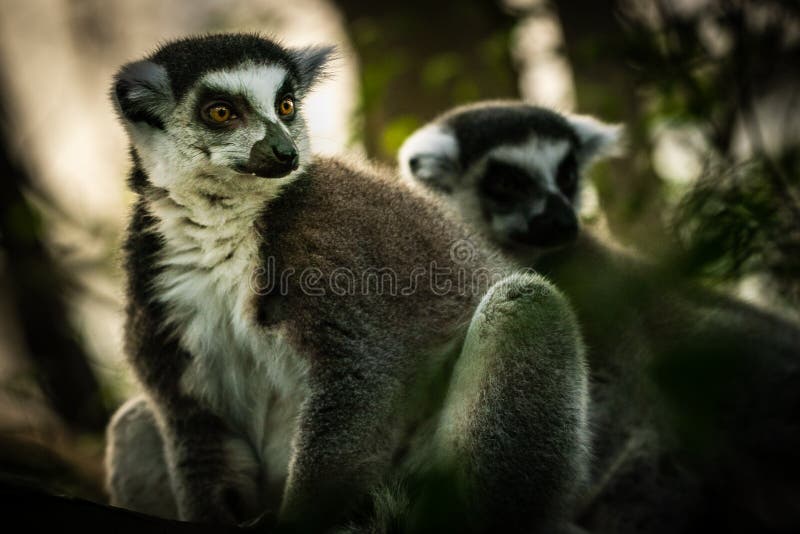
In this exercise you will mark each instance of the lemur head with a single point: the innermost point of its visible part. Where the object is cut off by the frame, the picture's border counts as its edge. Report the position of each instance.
(512, 167)
(218, 112)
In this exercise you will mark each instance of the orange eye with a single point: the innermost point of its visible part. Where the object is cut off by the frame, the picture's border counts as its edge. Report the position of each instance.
(220, 113)
(286, 107)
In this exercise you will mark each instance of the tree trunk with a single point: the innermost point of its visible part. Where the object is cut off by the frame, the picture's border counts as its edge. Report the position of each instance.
(596, 46)
(38, 297)
(410, 74)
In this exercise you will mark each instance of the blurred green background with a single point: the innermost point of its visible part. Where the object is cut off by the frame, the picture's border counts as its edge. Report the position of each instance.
(708, 90)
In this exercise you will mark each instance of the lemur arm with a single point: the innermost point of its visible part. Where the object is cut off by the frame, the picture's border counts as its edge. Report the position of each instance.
(205, 487)
(343, 442)
(197, 464)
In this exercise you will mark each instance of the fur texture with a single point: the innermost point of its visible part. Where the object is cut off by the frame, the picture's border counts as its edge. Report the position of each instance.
(308, 323)
(512, 168)
(684, 381)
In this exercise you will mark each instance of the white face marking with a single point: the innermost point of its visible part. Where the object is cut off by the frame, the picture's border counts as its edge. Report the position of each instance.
(190, 159)
(506, 224)
(539, 155)
(259, 84)
(542, 158)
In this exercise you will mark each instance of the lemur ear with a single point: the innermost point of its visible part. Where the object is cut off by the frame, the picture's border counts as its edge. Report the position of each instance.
(142, 94)
(312, 64)
(596, 139)
(430, 156)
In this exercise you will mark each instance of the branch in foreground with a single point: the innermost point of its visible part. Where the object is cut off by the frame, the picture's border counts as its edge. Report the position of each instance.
(40, 510)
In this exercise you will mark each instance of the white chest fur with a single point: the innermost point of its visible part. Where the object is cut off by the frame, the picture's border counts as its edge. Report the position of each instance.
(244, 373)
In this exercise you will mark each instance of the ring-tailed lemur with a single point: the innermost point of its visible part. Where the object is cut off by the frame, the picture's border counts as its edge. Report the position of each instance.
(278, 375)
(510, 168)
(513, 171)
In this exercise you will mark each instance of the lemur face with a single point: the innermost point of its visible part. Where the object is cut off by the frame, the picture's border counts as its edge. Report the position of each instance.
(512, 168)
(221, 110)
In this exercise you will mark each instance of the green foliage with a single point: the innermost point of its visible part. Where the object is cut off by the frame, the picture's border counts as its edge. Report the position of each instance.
(377, 77)
(705, 68)
(441, 69)
(409, 73)
(397, 131)
(734, 223)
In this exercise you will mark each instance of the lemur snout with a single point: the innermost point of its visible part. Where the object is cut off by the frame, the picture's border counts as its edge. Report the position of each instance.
(275, 156)
(557, 225)
(286, 155)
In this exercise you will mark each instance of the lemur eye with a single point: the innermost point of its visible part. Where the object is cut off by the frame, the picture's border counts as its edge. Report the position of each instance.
(219, 112)
(567, 177)
(503, 182)
(286, 106)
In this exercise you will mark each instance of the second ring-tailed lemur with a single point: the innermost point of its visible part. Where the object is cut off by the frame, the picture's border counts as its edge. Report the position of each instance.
(513, 171)
(278, 375)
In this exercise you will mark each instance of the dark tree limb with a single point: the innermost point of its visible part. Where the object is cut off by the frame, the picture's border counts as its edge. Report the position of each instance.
(419, 58)
(40, 511)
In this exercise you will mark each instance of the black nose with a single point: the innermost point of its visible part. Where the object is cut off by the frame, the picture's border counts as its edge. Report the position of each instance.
(557, 225)
(286, 154)
(275, 156)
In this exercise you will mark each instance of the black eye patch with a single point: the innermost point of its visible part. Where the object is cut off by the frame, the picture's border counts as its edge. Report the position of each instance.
(505, 188)
(287, 88)
(504, 182)
(209, 94)
(567, 176)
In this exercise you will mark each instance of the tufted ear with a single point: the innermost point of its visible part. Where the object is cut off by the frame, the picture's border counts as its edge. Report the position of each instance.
(312, 64)
(430, 156)
(596, 139)
(142, 94)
